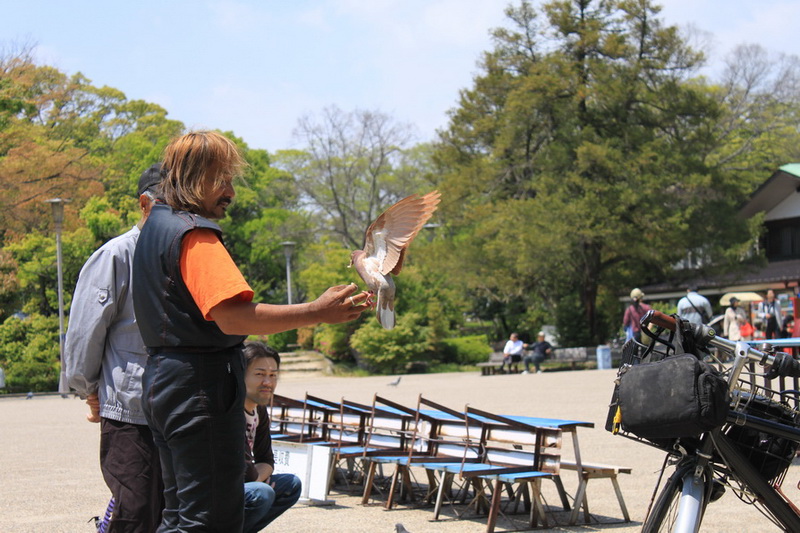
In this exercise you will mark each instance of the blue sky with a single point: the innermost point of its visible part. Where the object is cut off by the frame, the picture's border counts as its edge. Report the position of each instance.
(255, 67)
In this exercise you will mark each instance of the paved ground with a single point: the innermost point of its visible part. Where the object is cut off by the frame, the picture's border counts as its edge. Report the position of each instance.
(50, 480)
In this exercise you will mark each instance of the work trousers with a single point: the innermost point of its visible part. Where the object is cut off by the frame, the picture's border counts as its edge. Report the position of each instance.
(194, 403)
(131, 468)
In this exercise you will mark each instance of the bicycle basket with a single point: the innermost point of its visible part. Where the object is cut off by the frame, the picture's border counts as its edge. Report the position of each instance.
(769, 454)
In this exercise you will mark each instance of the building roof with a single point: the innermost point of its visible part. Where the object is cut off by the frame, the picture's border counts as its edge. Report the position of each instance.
(782, 184)
(779, 188)
(774, 275)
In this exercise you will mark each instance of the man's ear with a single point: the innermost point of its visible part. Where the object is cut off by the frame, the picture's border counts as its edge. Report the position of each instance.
(145, 203)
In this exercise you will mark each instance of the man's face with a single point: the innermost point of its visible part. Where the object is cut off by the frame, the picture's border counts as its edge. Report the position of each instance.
(217, 198)
(514, 338)
(260, 379)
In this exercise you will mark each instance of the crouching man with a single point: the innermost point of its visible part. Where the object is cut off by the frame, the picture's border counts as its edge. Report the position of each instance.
(266, 495)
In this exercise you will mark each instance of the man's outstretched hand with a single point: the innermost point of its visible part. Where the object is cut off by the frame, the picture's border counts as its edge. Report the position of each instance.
(341, 304)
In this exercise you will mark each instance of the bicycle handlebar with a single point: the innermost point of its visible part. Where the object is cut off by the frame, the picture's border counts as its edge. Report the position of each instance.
(781, 364)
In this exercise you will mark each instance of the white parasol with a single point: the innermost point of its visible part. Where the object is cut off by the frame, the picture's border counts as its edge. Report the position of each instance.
(742, 296)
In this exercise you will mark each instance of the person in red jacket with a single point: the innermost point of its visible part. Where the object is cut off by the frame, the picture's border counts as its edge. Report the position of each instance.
(633, 316)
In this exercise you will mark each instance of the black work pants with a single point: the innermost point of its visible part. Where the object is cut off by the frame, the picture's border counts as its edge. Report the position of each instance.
(194, 403)
(131, 468)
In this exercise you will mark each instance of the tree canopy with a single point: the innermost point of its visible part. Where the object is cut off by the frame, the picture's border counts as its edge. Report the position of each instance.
(587, 156)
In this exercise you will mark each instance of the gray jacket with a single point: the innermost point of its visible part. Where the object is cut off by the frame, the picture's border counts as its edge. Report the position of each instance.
(104, 352)
(688, 311)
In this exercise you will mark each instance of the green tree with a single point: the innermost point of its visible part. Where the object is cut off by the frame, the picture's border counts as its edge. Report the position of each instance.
(578, 160)
(352, 167)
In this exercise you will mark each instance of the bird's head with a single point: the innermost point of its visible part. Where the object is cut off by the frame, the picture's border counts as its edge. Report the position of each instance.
(354, 256)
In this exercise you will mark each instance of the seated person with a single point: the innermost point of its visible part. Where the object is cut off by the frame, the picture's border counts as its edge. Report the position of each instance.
(266, 495)
(512, 353)
(541, 350)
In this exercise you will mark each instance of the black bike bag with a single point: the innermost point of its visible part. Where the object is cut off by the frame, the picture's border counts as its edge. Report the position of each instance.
(676, 397)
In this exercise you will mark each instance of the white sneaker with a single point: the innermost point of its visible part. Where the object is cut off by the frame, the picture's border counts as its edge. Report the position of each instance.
(525, 372)
(538, 371)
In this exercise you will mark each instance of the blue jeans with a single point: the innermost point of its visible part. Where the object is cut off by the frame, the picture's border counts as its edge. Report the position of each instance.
(194, 404)
(263, 503)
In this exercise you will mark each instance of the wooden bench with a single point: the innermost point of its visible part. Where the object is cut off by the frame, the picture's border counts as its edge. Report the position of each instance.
(495, 363)
(514, 453)
(492, 366)
(562, 355)
(574, 355)
(596, 471)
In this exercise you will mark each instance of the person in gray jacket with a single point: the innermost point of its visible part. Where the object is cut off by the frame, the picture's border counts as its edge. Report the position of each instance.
(695, 307)
(105, 356)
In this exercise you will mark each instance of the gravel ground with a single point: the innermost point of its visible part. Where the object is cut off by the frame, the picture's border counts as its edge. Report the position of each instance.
(50, 480)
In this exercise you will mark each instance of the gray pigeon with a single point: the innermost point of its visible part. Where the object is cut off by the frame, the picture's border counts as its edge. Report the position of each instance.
(396, 382)
(400, 529)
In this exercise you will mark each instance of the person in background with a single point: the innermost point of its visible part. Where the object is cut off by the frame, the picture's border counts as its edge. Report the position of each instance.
(512, 353)
(194, 310)
(787, 330)
(694, 307)
(769, 312)
(104, 357)
(266, 495)
(733, 320)
(631, 320)
(540, 350)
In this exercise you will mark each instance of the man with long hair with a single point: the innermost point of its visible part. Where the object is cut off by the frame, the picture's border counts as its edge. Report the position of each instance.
(194, 310)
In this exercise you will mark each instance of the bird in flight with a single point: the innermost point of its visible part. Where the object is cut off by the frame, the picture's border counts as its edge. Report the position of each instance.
(385, 245)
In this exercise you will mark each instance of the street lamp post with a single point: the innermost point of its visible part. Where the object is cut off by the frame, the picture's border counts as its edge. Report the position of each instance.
(288, 249)
(57, 204)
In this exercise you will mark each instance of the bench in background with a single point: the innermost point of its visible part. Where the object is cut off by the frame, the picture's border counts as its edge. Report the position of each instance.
(492, 366)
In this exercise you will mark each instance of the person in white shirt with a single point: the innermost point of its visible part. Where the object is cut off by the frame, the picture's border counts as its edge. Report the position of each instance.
(512, 353)
(769, 312)
(734, 319)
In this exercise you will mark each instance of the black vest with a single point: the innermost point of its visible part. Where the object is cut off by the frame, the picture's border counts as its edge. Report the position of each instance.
(164, 308)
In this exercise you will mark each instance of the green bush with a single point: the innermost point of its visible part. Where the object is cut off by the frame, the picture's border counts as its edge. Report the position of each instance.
(391, 350)
(466, 350)
(281, 341)
(331, 340)
(29, 353)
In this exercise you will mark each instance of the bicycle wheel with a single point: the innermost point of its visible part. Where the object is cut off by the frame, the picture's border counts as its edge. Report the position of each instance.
(680, 505)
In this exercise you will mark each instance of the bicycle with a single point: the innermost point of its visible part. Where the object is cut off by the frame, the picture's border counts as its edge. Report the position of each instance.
(749, 450)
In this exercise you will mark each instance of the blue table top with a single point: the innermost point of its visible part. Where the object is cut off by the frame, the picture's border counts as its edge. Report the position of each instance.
(529, 420)
(778, 343)
(550, 422)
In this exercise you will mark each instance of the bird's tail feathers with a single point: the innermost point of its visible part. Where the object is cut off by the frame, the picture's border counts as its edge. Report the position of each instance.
(384, 310)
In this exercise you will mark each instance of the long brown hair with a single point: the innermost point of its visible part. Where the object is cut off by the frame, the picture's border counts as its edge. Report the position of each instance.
(193, 159)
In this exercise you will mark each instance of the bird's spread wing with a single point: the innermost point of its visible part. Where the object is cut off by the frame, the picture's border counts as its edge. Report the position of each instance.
(392, 232)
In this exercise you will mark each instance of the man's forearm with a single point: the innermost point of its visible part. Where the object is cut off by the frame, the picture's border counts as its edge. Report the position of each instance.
(338, 304)
(247, 318)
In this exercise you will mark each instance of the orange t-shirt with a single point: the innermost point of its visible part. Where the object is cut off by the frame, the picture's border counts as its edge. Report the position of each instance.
(209, 271)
